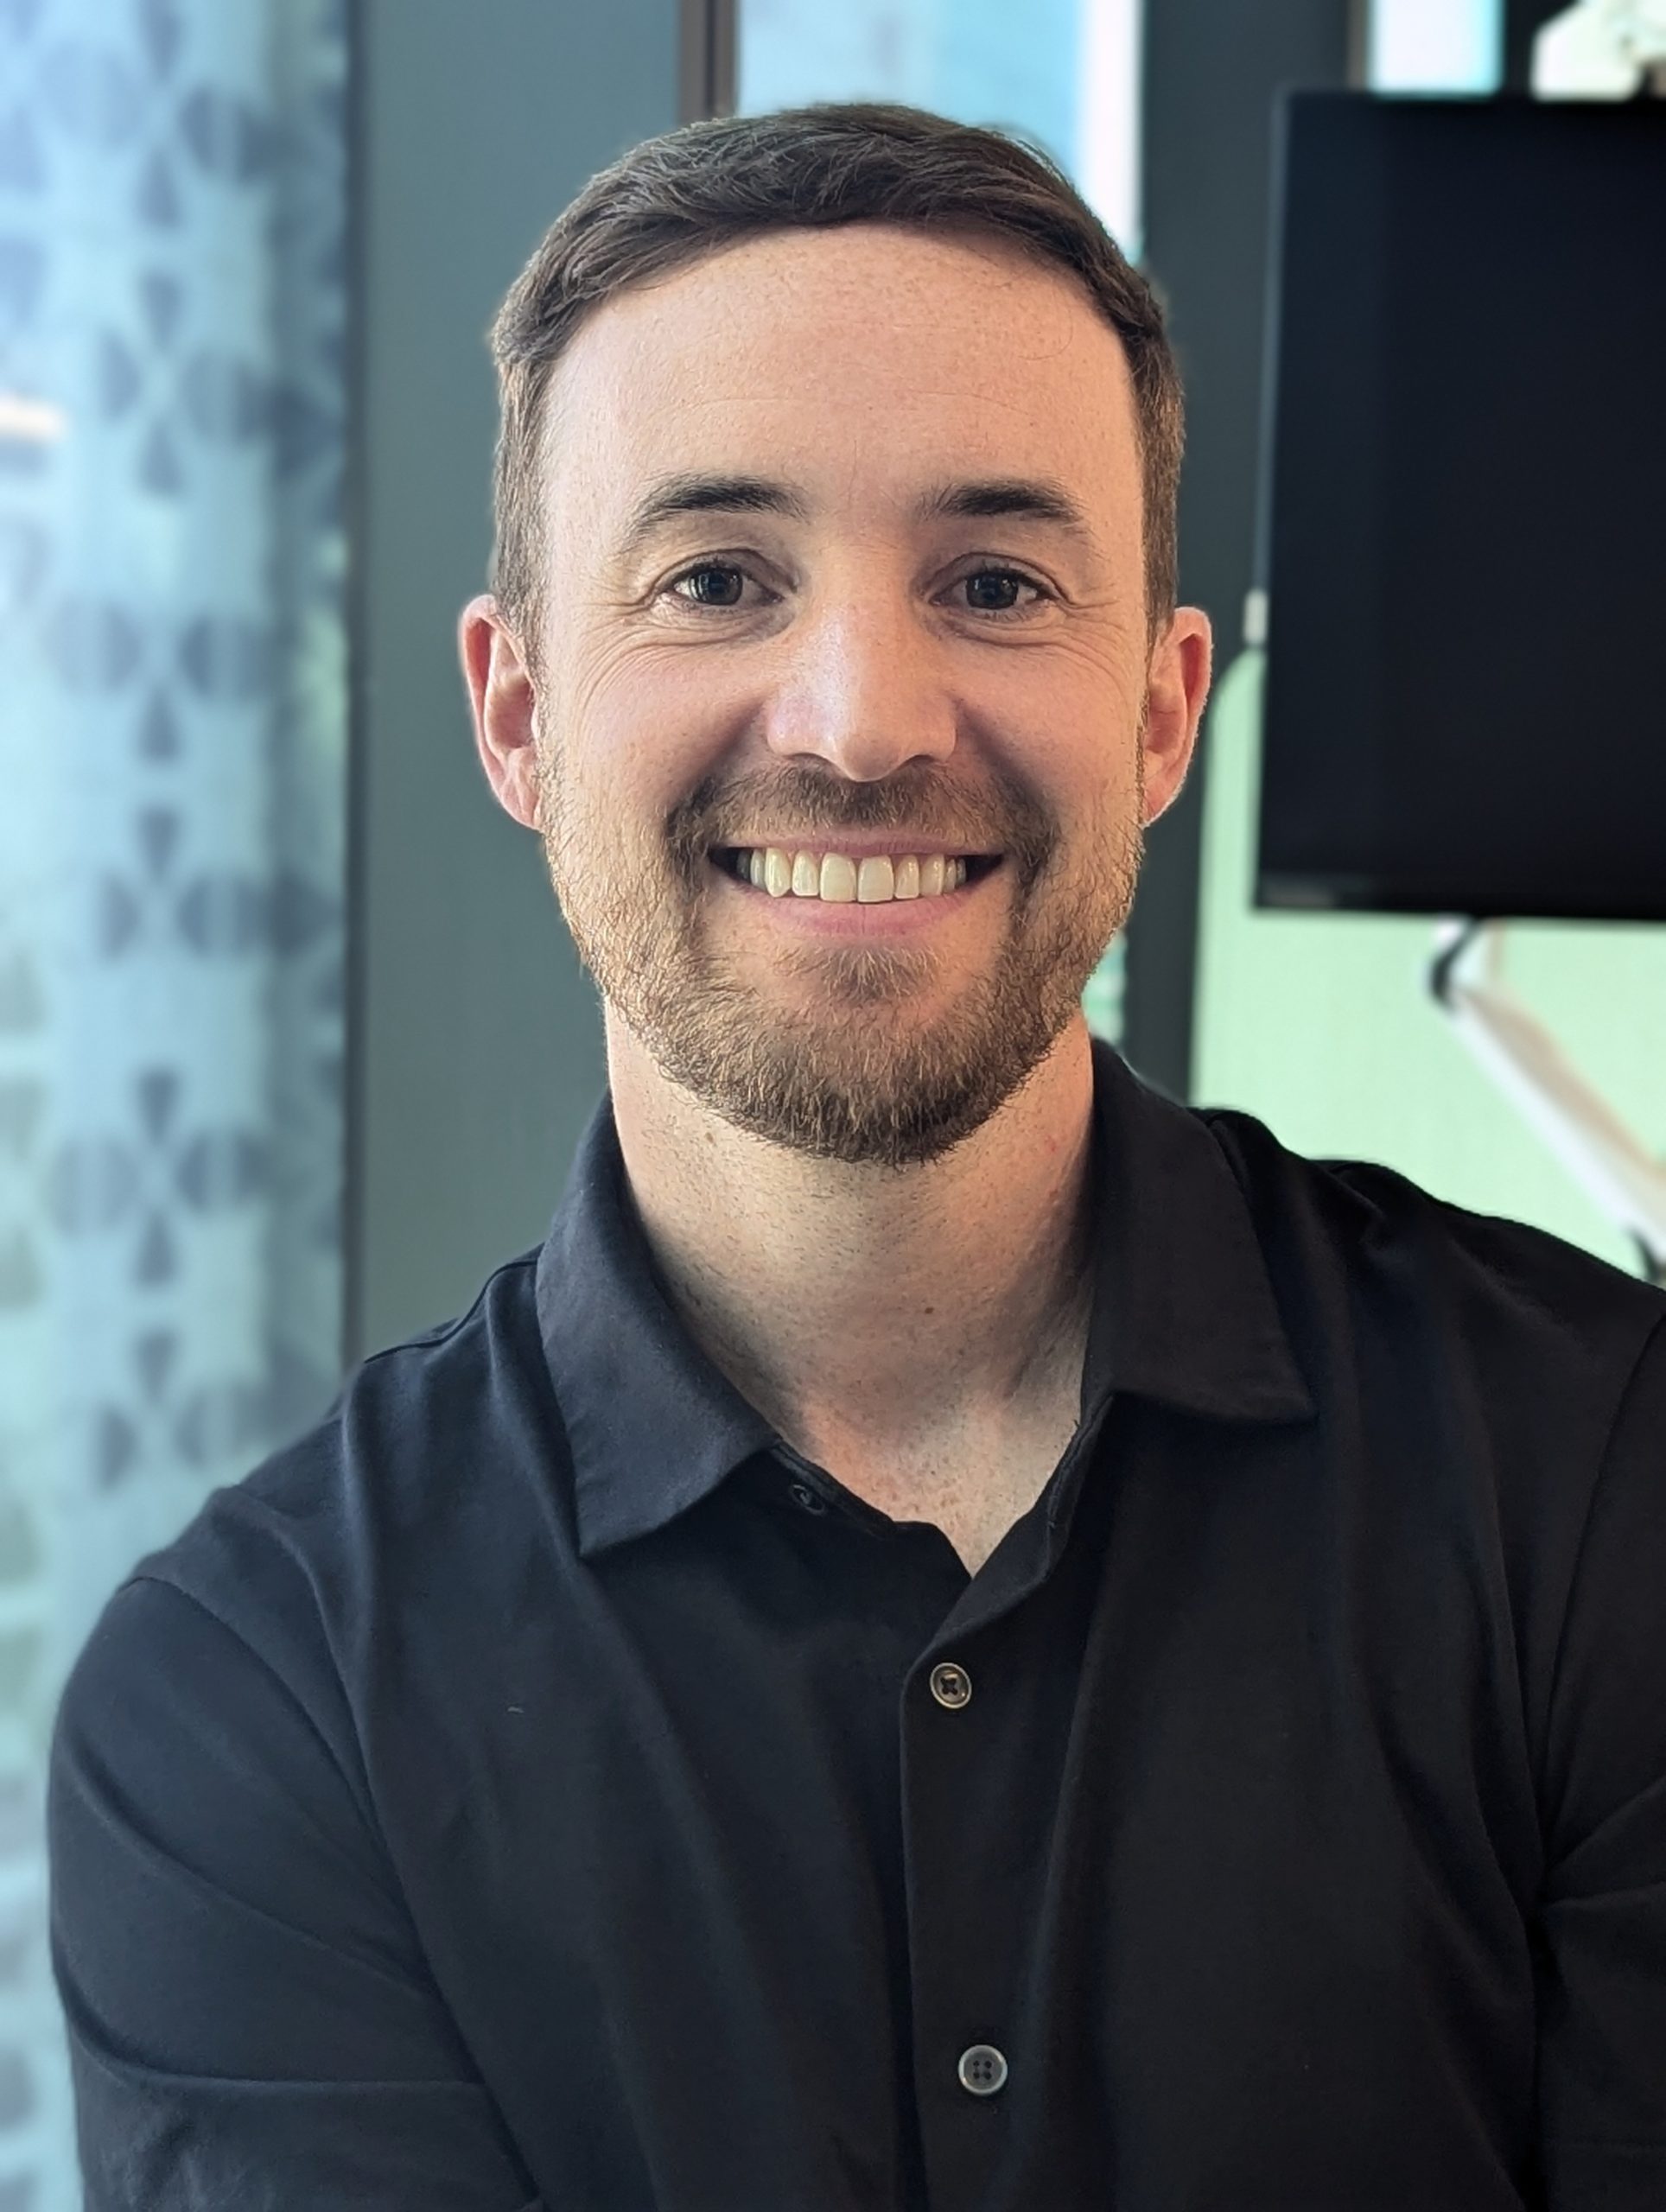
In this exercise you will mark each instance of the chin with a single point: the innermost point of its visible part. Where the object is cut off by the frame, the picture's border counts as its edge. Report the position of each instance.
(863, 1089)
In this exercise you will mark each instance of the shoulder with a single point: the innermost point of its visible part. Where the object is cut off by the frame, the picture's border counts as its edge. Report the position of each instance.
(1503, 1388)
(433, 1451)
(255, 1664)
(1366, 1248)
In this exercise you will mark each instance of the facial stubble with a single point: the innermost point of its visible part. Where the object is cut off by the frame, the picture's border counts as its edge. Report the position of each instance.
(838, 1065)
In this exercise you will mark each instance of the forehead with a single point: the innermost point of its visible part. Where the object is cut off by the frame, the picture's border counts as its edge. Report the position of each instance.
(868, 354)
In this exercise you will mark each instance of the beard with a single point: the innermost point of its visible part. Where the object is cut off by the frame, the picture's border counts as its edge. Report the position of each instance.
(841, 1065)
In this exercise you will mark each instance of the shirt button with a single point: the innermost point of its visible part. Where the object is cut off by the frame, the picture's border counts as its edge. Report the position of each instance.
(951, 1685)
(981, 2069)
(808, 1499)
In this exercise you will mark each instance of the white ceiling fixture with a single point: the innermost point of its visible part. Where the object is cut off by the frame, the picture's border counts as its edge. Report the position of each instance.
(1602, 50)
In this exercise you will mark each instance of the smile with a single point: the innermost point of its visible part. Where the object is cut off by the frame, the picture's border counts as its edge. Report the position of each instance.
(845, 879)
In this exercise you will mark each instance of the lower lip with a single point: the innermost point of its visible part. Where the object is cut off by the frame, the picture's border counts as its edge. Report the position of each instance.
(885, 918)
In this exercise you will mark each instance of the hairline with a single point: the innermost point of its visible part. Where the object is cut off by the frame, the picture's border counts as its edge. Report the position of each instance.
(993, 237)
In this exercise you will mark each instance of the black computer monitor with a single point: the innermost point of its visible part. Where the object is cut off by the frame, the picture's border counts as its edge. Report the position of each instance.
(1463, 528)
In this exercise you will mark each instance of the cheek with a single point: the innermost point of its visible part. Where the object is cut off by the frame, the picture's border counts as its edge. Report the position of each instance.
(635, 734)
(1072, 732)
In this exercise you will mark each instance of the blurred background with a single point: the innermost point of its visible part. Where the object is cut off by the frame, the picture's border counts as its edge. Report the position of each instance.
(293, 1046)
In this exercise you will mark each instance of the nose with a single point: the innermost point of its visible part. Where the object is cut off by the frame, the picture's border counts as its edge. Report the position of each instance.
(863, 687)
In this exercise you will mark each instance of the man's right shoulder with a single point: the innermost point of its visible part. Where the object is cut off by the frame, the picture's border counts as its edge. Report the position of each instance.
(438, 1456)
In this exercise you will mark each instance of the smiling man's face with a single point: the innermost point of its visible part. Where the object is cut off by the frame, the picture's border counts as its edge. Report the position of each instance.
(844, 569)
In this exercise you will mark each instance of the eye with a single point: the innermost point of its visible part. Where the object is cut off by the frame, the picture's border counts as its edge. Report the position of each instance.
(992, 591)
(713, 583)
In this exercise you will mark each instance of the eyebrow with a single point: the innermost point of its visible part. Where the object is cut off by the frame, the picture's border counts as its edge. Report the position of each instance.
(1025, 498)
(697, 495)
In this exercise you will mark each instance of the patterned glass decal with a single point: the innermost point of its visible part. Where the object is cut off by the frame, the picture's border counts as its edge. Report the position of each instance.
(172, 759)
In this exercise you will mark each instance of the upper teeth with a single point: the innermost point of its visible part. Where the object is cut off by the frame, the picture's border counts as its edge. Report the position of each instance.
(841, 881)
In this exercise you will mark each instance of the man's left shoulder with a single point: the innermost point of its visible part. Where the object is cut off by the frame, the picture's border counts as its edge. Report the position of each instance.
(1392, 1248)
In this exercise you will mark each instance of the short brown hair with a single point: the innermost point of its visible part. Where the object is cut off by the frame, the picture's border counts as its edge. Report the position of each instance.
(674, 199)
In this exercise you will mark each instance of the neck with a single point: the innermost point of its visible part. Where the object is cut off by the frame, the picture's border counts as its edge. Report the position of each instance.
(867, 1312)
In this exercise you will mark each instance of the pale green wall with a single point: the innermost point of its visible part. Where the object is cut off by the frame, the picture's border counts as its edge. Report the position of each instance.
(1322, 1026)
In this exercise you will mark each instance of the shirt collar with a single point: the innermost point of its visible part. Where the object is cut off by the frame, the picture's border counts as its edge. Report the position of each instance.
(1183, 1313)
(652, 1425)
(1183, 1310)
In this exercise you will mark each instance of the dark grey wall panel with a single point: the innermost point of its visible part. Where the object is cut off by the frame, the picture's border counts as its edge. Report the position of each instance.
(476, 1042)
(1523, 21)
(1213, 69)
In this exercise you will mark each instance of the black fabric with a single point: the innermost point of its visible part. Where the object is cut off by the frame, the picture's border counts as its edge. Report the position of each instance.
(528, 1790)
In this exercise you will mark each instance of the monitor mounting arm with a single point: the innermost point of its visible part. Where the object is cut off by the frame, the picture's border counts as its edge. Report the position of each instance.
(1526, 1065)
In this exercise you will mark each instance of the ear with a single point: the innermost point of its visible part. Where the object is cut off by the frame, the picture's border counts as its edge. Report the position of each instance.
(1176, 689)
(504, 703)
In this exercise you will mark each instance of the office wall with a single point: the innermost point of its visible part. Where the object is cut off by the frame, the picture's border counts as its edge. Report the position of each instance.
(476, 1051)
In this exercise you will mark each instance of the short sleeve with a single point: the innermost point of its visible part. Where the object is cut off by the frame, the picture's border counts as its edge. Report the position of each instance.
(1602, 1993)
(251, 2019)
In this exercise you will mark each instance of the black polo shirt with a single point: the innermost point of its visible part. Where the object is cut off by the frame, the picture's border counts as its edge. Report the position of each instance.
(537, 1787)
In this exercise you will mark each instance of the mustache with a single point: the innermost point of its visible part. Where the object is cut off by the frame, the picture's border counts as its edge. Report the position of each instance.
(796, 801)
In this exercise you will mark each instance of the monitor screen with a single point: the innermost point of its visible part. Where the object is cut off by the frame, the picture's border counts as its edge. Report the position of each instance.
(1463, 527)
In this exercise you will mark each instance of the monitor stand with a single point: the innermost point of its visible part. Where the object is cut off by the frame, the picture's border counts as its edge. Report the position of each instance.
(1526, 1065)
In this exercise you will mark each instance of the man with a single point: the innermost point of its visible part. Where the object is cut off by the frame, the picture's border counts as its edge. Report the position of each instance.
(960, 1636)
